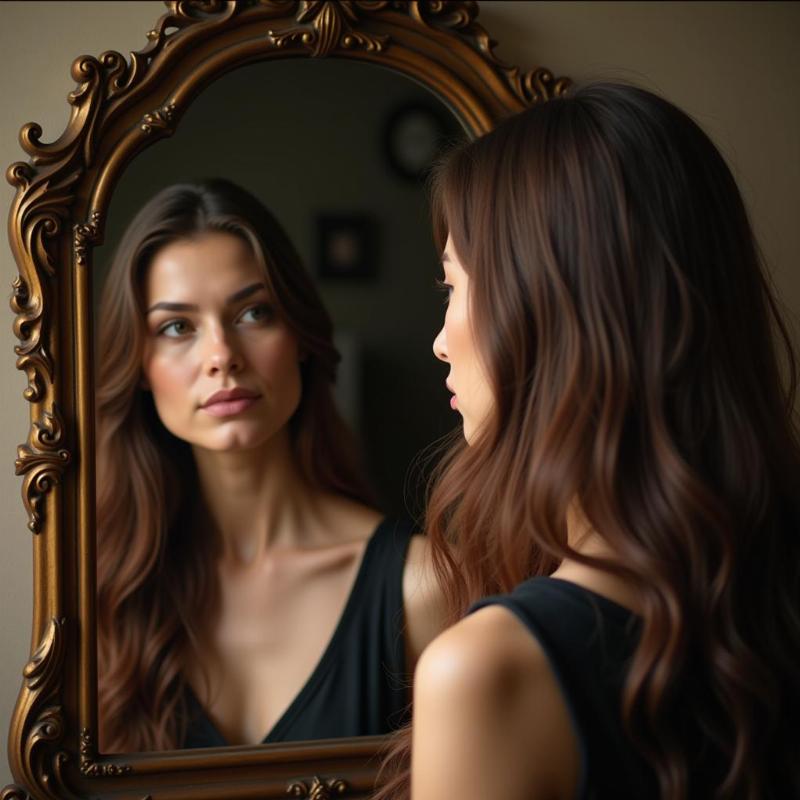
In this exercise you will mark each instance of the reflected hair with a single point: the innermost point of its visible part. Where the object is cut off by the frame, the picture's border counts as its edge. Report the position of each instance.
(642, 373)
(155, 562)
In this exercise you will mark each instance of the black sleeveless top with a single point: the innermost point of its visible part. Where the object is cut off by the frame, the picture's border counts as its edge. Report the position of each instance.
(589, 641)
(359, 686)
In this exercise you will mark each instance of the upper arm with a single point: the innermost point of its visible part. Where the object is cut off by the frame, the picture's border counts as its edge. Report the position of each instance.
(423, 600)
(489, 716)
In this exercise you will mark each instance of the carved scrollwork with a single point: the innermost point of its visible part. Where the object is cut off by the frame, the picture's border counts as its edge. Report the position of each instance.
(19, 174)
(326, 26)
(48, 728)
(117, 75)
(12, 792)
(42, 761)
(85, 234)
(43, 671)
(183, 13)
(42, 209)
(42, 461)
(160, 119)
(90, 768)
(76, 144)
(317, 789)
(45, 193)
(458, 14)
(531, 87)
(43, 206)
(538, 85)
(32, 355)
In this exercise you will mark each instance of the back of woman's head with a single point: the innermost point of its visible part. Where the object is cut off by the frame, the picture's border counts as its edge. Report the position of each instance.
(154, 570)
(629, 335)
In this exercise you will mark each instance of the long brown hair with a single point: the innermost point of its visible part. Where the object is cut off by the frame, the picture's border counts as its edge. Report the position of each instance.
(629, 334)
(155, 571)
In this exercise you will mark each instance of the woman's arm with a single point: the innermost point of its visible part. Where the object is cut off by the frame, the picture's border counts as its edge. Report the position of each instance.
(489, 718)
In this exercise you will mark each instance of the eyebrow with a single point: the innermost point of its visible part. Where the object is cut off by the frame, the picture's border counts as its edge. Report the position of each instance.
(242, 294)
(444, 257)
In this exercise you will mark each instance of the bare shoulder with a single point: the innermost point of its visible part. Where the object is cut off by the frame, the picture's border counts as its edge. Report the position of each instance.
(488, 650)
(423, 599)
(489, 714)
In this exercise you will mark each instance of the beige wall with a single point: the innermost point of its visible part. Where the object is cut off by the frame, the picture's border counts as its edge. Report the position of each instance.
(734, 66)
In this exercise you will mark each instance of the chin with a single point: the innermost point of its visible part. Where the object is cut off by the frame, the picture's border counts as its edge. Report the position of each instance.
(237, 441)
(231, 438)
(471, 430)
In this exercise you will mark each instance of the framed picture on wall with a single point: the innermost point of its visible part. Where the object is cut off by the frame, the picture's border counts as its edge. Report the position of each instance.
(347, 246)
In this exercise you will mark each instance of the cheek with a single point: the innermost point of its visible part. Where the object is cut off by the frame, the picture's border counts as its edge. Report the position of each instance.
(166, 376)
(457, 332)
(277, 360)
(464, 356)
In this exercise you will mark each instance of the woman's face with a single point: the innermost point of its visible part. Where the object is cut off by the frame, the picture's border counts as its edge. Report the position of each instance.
(223, 368)
(455, 345)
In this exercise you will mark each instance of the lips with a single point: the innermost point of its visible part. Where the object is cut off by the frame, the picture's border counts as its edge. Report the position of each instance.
(453, 399)
(228, 402)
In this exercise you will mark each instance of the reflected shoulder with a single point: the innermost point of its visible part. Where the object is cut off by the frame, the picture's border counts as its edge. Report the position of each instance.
(423, 599)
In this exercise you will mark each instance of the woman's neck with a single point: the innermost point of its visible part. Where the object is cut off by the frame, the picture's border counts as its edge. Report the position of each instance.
(586, 541)
(255, 500)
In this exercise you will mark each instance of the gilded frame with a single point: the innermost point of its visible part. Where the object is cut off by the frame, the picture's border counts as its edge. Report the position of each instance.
(120, 107)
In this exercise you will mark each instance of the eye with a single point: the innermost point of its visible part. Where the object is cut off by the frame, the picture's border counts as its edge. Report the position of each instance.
(174, 329)
(442, 286)
(261, 312)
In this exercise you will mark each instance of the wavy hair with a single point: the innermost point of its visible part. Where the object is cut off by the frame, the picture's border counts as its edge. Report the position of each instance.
(641, 369)
(155, 571)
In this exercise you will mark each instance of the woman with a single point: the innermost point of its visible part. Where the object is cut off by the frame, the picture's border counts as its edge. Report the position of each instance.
(630, 489)
(247, 589)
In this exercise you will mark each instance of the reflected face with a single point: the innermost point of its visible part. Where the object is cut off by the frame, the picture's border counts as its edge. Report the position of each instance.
(223, 368)
(455, 345)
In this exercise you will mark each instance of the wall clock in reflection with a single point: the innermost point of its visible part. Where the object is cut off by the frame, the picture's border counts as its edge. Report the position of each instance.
(414, 135)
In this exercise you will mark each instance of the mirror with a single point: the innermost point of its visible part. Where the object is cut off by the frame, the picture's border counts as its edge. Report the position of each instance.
(64, 211)
(348, 190)
(360, 188)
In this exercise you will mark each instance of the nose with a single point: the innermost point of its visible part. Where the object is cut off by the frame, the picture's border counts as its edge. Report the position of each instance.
(440, 346)
(222, 355)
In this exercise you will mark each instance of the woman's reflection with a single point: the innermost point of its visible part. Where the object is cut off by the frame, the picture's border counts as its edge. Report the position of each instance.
(248, 589)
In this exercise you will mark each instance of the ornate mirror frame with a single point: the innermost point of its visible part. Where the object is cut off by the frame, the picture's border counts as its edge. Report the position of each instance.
(58, 215)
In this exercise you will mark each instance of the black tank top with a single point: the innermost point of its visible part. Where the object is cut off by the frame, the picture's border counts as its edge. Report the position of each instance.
(589, 641)
(359, 686)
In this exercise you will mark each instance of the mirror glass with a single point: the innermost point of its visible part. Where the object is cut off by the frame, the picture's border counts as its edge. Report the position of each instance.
(337, 151)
